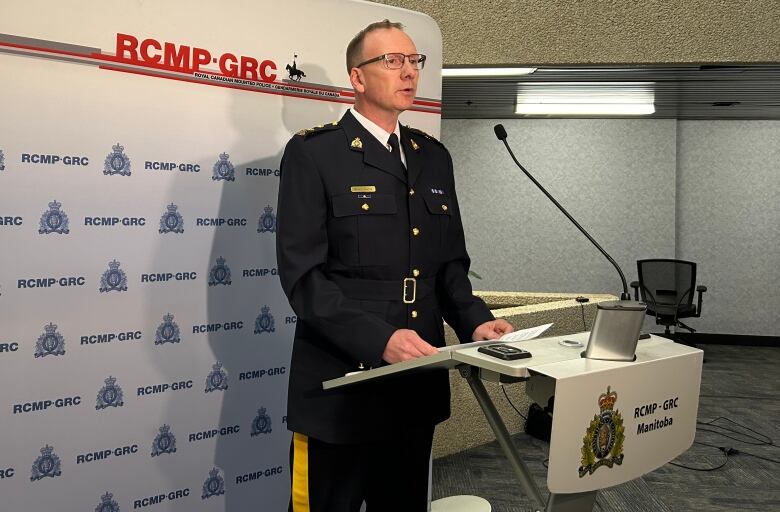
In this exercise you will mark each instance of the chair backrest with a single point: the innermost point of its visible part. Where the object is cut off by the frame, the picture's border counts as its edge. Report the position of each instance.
(666, 284)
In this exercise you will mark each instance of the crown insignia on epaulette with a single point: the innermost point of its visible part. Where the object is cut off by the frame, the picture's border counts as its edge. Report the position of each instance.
(316, 129)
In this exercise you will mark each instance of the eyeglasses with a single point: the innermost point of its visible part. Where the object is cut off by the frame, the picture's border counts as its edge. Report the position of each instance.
(396, 60)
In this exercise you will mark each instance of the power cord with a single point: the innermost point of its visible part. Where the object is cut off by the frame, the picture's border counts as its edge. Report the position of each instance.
(758, 440)
(713, 468)
(513, 405)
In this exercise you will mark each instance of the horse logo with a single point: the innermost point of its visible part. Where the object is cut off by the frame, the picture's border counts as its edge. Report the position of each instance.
(293, 73)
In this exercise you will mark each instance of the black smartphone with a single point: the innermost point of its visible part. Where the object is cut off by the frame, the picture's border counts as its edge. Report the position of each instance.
(504, 352)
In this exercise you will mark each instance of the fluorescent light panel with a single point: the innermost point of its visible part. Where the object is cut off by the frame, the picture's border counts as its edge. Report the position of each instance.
(485, 72)
(586, 98)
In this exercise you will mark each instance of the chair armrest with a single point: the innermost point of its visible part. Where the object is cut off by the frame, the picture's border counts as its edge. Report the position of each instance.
(700, 289)
(635, 286)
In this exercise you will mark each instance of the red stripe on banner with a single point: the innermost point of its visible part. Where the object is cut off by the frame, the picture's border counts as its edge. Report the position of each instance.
(112, 59)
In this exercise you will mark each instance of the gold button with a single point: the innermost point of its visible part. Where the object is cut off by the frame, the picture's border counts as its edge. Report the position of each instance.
(411, 191)
(415, 272)
(365, 206)
(415, 231)
(444, 207)
(414, 314)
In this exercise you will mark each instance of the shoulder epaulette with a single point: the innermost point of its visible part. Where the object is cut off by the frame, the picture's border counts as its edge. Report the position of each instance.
(308, 132)
(425, 135)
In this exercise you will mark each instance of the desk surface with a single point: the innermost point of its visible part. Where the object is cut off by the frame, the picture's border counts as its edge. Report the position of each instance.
(548, 357)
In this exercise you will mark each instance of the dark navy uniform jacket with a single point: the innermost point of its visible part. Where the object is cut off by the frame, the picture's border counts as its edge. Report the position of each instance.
(350, 229)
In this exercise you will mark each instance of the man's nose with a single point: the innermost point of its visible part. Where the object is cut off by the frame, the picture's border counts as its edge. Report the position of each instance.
(408, 70)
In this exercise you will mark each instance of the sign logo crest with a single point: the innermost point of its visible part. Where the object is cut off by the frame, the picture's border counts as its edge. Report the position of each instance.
(264, 321)
(165, 442)
(223, 170)
(217, 380)
(114, 279)
(109, 395)
(172, 221)
(261, 424)
(107, 504)
(214, 484)
(167, 331)
(220, 273)
(603, 441)
(54, 220)
(46, 465)
(117, 162)
(50, 343)
(267, 221)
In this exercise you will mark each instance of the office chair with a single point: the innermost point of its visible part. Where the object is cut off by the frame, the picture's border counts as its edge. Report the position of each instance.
(666, 286)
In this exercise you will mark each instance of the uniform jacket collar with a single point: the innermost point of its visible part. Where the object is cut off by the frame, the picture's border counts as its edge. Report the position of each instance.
(376, 154)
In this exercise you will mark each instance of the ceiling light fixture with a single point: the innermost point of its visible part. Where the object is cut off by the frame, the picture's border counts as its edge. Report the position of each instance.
(484, 72)
(585, 99)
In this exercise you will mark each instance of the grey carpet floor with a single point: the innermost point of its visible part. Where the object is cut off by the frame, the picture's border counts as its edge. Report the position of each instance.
(739, 383)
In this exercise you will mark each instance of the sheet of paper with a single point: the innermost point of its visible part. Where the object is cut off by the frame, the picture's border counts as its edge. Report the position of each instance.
(524, 334)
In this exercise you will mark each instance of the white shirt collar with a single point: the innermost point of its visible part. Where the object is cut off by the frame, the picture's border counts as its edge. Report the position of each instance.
(378, 132)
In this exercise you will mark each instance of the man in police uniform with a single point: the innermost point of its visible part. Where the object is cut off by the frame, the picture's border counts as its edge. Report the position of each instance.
(371, 255)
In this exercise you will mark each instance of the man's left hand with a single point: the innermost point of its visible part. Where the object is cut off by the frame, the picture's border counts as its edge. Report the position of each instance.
(492, 330)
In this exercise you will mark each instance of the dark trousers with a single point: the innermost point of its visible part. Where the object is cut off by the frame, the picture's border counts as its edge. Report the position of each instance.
(391, 475)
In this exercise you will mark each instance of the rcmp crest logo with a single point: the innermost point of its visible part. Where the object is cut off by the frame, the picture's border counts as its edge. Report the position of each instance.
(220, 273)
(50, 343)
(217, 380)
(117, 162)
(264, 321)
(47, 465)
(214, 484)
(167, 331)
(54, 220)
(603, 441)
(223, 169)
(267, 221)
(261, 424)
(107, 504)
(171, 221)
(2, 160)
(114, 279)
(165, 442)
(109, 395)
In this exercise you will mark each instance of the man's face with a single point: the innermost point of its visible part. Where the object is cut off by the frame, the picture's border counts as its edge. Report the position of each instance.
(390, 90)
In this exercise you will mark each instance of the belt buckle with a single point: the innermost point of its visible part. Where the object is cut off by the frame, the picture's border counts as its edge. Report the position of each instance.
(413, 282)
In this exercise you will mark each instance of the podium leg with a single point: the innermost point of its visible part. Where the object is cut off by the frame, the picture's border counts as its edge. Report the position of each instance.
(502, 435)
(575, 502)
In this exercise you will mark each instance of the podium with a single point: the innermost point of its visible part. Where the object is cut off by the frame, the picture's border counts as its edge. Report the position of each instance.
(612, 421)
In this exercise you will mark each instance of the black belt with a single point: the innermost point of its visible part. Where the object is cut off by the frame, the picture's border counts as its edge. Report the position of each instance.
(407, 290)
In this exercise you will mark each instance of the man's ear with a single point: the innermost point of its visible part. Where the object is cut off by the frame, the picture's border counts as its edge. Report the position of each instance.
(356, 79)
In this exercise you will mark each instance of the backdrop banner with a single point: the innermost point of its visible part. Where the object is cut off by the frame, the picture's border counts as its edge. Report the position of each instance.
(144, 337)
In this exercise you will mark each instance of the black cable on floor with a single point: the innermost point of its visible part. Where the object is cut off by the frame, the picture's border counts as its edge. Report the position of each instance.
(713, 468)
(734, 451)
(743, 397)
(760, 439)
(513, 405)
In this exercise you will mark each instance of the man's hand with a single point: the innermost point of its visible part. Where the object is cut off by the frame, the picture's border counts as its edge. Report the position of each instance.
(492, 330)
(404, 345)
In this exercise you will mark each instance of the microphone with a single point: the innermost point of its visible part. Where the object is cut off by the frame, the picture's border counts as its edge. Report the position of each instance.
(501, 134)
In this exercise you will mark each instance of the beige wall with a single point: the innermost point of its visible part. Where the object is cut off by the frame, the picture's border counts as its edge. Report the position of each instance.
(604, 31)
